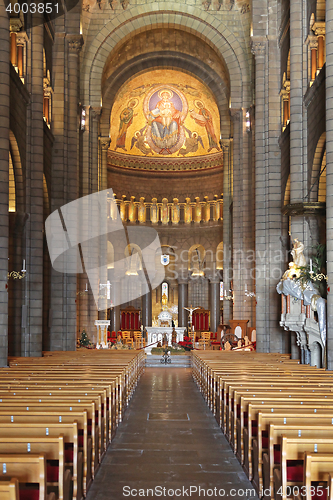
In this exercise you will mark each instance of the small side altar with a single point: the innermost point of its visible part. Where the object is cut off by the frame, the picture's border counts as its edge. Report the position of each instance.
(156, 334)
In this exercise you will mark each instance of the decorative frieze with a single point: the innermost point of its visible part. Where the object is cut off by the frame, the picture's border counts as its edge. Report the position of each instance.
(305, 208)
(167, 164)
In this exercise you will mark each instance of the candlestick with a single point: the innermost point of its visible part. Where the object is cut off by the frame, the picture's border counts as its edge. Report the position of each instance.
(23, 268)
(311, 271)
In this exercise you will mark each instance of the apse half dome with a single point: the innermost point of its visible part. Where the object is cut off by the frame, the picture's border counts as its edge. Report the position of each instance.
(165, 113)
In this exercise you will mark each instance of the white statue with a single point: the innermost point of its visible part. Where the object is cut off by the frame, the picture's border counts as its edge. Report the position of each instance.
(190, 309)
(297, 253)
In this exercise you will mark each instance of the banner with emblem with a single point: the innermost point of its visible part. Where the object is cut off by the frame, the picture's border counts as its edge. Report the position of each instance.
(165, 259)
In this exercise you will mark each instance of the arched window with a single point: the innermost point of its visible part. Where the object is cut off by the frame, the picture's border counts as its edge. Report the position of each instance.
(165, 289)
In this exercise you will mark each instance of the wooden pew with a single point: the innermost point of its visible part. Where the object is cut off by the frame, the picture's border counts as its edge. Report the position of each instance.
(318, 467)
(27, 468)
(281, 417)
(53, 449)
(234, 389)
(43, 392)
(45, 417)
(271, 377)
(9, 490)
(72, 379)
(302, 430)
(70, 434)
(273, 404)
(33, 382)
(108, 414)
(83, 412)
(293, 449)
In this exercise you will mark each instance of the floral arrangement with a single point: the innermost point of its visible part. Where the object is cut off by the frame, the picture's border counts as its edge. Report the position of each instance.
(315, 272)
(186, 343)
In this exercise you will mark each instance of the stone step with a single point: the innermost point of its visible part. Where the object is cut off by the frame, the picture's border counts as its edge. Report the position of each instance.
(180, 361)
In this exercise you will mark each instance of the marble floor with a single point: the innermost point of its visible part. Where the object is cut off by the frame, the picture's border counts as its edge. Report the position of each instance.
(169, 446)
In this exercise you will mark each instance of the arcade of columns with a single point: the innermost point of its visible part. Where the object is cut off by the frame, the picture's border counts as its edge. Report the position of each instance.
(253, 223)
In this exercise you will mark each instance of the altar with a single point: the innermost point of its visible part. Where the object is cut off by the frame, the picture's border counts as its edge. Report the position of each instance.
(156, 333)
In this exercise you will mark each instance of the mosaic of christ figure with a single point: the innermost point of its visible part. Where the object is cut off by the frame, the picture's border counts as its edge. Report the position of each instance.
(165, 110)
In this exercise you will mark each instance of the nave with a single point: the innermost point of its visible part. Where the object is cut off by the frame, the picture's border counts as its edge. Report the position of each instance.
(169, 439)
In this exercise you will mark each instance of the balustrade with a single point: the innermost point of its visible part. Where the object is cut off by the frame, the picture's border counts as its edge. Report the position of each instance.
(166, 212)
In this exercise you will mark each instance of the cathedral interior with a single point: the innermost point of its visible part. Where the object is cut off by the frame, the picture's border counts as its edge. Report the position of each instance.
(207, 121)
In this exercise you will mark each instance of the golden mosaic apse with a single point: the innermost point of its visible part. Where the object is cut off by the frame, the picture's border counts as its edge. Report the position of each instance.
(156, 115)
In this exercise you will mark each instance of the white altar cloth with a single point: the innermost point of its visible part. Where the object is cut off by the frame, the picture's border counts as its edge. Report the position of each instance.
(155, 334)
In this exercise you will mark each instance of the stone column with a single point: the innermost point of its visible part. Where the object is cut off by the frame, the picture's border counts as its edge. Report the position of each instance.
(104, 143)
(226, 228)
(329, 178)
(182, 302)
(214, 304)
(93, 185)
(147, 309)
(268, 217)
(65, 188)
(115, 311)
(298, 227)
(241, 216)
(4, 172)
(115, 318)
(34, 191)
(237, 213)
(95, 174)
(75, 43)
(259, 50)
(296, 112)
(104, 147)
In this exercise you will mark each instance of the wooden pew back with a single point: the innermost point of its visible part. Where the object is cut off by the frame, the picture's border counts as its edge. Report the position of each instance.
(27, 468)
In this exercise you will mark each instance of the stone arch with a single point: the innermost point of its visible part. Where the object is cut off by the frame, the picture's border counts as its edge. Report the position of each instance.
(286, 199)
(172, 60)
(320, 10)
(18, 174)
(132, 19)
(12, 194)
(219, 256)
(288, 66)
(110, 255)
(46, 198)
(317, 167)
(322, 181)
(196, 257)
(133, 256)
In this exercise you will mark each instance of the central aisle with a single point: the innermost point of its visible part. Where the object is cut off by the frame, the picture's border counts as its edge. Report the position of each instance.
(170, 439)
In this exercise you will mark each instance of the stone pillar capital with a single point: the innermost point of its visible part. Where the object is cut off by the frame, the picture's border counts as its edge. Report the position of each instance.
(319, 28)
(235, 114)
(15, 24)
(225, 145)
(258, 46)
(284, 93)
(312, 41)
(75, 43)
(21, 38)
(95, 112)
(105, 143)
